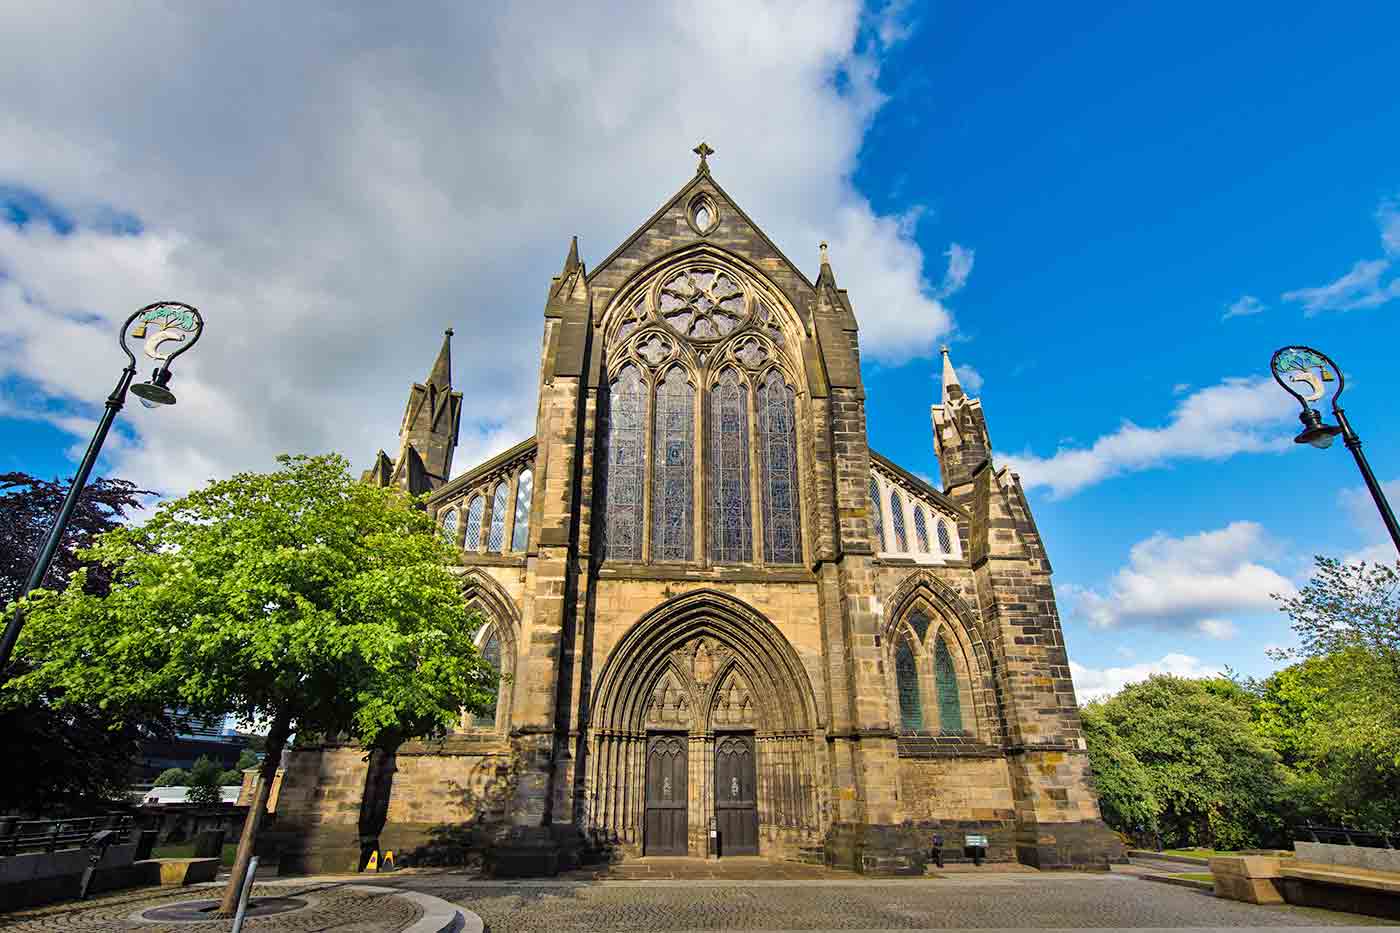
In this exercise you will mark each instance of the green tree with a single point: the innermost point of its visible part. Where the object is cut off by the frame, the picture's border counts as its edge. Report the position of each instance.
(1205, 774)
(247, 759)
(173, 777)
(75, 757)
(300, 598)
(1346, 606)
(206, 780)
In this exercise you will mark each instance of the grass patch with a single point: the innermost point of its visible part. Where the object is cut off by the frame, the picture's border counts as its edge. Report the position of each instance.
(186, 850)
(1197, 853)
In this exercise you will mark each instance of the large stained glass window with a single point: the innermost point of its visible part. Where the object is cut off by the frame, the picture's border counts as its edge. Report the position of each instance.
(946, 681)
(491, 653)
(921, 529)
(906, 672)
(672, 471)
(474, 510)
(731, 521)
(622, 521)
(777, 459)
(877, 521)
(520, 531)
(901, 541)
(498, 518)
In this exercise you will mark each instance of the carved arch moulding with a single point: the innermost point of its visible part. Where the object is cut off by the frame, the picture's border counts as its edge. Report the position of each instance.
(730, 663)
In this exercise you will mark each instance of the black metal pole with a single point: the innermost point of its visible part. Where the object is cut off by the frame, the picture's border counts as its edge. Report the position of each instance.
(70, 503)
(1354, 445)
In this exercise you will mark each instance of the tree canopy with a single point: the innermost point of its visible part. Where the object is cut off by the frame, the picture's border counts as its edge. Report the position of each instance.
(300, 598)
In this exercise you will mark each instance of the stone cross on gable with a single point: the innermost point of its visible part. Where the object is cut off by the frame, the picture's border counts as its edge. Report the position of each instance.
(704, 152)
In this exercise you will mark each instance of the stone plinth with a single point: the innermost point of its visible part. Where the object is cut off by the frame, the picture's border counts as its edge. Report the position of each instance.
(176, 872)
(1253, 879)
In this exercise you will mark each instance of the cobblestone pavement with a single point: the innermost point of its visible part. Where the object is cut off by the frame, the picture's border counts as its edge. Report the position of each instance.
(1059, 901)
(333, 908)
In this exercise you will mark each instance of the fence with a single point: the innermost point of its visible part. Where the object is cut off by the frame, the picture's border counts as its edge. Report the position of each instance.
(21, 836)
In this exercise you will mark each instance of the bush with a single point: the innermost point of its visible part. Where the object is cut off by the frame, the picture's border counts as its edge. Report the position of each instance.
(173, 777)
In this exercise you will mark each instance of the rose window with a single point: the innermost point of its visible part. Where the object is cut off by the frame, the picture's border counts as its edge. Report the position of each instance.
(703, 304)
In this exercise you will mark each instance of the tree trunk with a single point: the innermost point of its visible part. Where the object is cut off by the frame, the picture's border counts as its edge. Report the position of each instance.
(276, 738)
(374, 802)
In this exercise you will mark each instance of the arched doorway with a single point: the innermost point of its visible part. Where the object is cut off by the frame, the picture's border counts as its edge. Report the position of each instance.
(704, 703)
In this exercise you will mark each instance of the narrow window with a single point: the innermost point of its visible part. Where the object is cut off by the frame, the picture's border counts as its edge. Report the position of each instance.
(731, 521)
(449, 526)
(945, 541)
(906, 672)
(498, 518)
(921, 529)
(777, 460)
(877, 521)
(491, 654)
(901, 541)
(622, 524)
(524, 488)
(474, 510)
(946, 681)
(672, 477)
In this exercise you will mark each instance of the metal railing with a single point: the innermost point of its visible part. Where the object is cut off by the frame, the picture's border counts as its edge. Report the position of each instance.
(1339, 835)
(20, 836)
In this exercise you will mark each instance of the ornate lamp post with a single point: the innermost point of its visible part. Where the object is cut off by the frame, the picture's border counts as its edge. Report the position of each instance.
(1311, 370)
(160, 324)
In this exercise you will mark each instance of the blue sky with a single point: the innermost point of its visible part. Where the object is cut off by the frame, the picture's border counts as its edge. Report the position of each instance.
(1119, 180)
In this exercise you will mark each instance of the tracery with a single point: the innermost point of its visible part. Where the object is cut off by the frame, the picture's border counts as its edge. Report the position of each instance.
(731, 519)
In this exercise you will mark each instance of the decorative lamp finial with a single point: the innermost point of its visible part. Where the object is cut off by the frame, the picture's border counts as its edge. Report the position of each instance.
(704, 152)
(448, 332)
(821, 247)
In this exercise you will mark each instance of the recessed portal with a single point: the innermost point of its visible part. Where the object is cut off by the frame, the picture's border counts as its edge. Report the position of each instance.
(736, 799)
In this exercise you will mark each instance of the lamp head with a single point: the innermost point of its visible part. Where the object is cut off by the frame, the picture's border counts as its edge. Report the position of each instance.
(153, 392)
(1315, 431)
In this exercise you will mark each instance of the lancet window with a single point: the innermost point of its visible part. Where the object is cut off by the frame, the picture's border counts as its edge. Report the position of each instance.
(921, 528)
(906, 672)
(491, 654)
(731, 516)
(673, 469)
(700, 424)
(520, 531)
(901, 542)
(945, 541)
(946, 684)
(496, 538)
(449, 526)
(931, 679)
(877, 520)
(474, 512)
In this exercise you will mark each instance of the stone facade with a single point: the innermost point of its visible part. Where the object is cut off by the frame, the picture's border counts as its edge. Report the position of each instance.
(883, 656)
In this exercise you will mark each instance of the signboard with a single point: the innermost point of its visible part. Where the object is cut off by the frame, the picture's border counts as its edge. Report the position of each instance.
(975, 841)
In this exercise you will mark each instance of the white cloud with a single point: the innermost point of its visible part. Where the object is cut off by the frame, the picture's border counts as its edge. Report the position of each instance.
(1244, 306)
(1097, 683)
(1362, 286)
(969, 378)
(1357, 503)
(960, 260)
(1236, 416)
(1194, 583)
(333, 185)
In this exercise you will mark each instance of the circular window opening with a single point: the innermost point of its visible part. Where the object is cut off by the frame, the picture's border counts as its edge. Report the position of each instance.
(703, 215)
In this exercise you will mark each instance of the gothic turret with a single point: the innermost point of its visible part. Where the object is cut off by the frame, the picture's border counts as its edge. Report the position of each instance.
(960, 435)
(428, 434)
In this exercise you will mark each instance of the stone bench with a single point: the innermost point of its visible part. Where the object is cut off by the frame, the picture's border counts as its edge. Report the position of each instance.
(1266, 880)
(177, 872)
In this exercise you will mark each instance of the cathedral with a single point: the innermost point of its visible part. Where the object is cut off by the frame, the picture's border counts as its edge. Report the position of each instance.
(725, 625)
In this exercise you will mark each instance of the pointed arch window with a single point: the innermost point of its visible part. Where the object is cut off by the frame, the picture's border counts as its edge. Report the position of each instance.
(496, 538)
(491, 654)
(877, 520)
(945, 540)
(906, 672)
(777, 460)
(673, 464)
(946, 687)
(901, 541)
(474, 510)
(921, 529)
(449, 526)
(520, 531)
(622, 520)
(731, 518)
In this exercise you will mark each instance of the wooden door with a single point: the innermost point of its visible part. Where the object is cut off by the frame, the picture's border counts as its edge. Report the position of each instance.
(736, 800)
(666, 824)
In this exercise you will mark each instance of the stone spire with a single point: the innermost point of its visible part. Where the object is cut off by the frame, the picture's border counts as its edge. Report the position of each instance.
(952, 390)
(441, 376)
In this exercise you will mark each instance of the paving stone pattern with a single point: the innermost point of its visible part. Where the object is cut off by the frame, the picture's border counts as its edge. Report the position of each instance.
(335, 909)
(659, 906)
